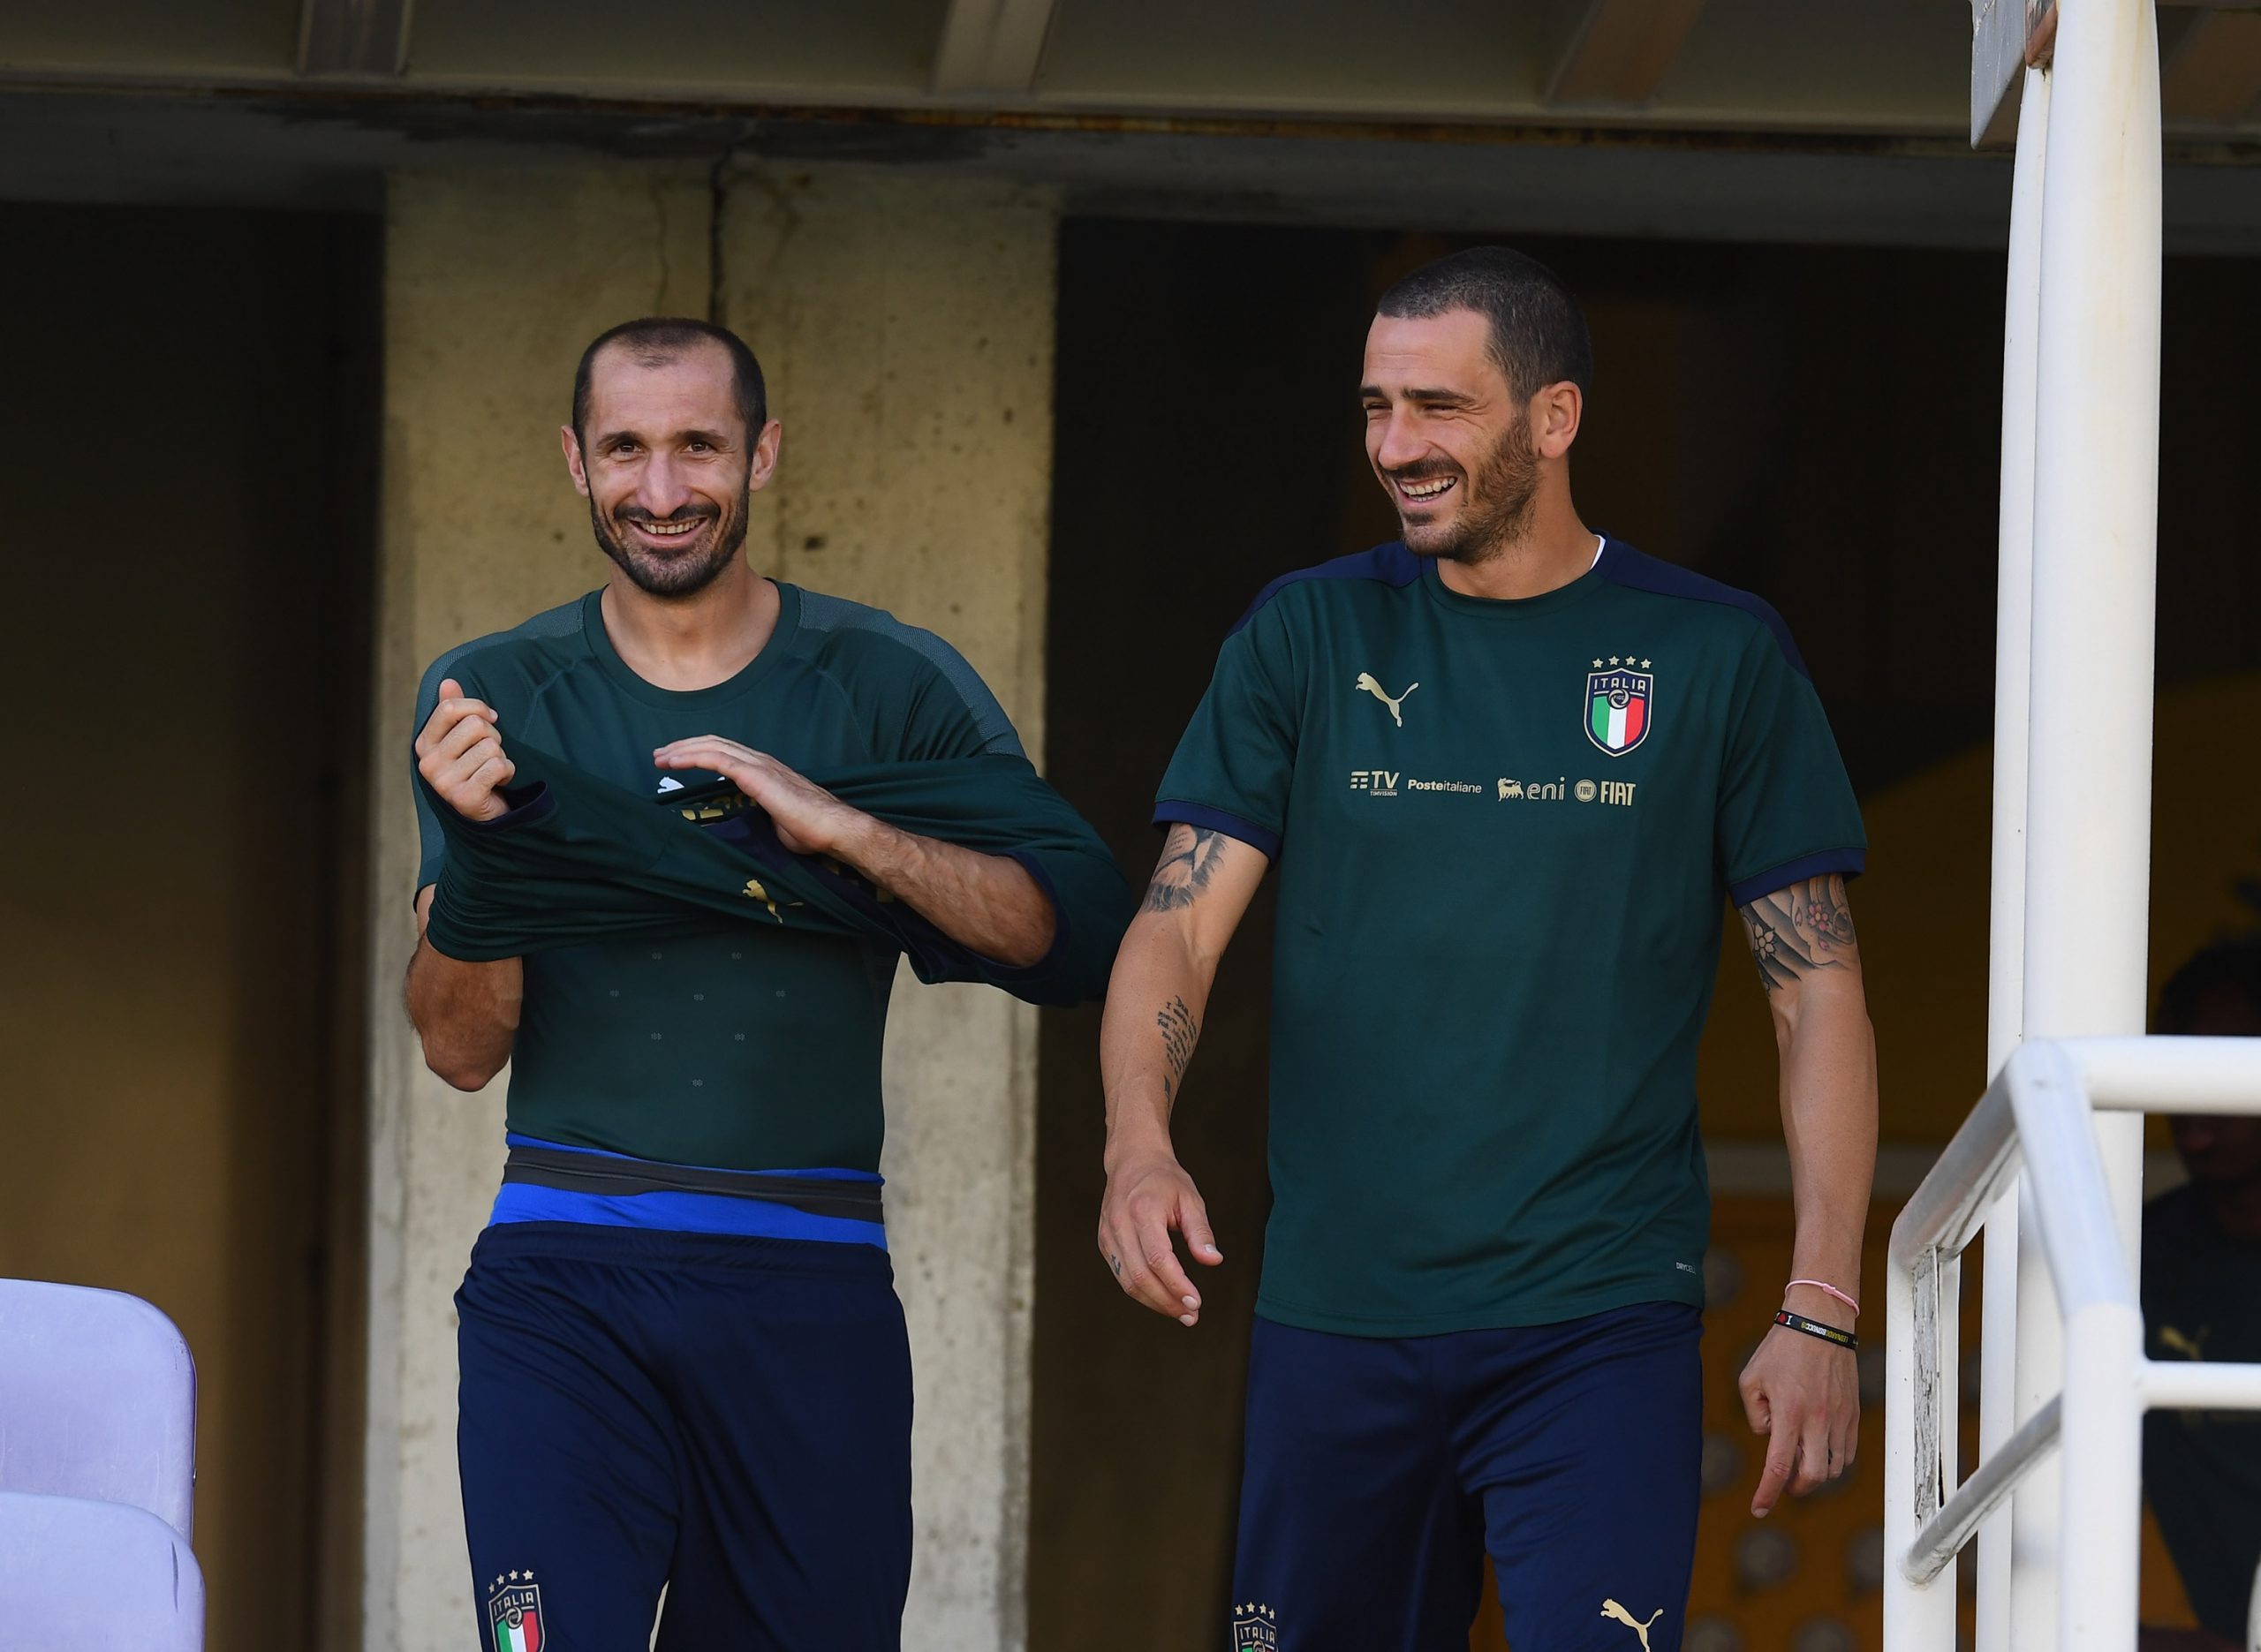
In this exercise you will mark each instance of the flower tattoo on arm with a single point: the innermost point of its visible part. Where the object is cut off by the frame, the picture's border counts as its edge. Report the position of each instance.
(1799, 930)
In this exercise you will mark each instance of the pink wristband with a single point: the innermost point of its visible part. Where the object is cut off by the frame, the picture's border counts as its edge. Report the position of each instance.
(1820, 1286)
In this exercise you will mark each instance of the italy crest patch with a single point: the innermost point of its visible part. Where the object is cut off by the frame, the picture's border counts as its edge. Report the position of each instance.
(514, 1613)
(1620, 702)
(1256, 1628)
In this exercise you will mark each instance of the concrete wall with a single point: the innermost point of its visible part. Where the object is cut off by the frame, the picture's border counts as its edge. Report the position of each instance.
(907, 334)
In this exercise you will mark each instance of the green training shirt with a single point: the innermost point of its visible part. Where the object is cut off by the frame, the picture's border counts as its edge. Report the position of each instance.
(1506, 834)
(745, 1048)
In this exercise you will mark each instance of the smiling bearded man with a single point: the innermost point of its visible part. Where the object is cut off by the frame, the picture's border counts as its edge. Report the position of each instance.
(1496, 936)
(682, 1361)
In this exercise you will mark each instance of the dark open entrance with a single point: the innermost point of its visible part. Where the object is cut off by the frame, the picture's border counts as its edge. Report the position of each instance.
(192, 407)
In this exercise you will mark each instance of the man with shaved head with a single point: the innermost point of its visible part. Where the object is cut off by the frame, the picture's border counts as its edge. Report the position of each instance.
(682, 1361)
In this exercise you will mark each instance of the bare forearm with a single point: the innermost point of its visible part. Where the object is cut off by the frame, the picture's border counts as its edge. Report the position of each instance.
(466, 1013)
(1155, 1002)
(983, 901)
(1829, 1119)
(1808, 954)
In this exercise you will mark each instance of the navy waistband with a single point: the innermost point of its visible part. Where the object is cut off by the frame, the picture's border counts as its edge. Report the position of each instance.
(675, 1251)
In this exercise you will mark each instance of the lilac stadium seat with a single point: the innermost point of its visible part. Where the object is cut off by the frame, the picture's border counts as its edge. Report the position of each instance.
(97, 1400)
(81, 1576)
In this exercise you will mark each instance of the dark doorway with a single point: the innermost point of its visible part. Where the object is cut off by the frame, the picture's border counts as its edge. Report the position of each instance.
(191, 404)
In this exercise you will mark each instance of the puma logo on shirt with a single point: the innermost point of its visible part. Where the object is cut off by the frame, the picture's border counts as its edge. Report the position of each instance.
(1366, 682)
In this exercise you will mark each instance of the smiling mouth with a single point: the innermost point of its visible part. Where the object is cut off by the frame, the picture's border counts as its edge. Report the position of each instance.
(665, 533)
(1415, 493)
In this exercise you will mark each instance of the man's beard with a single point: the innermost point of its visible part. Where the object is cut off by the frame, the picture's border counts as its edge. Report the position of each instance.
(1501, 498)
(683, 573)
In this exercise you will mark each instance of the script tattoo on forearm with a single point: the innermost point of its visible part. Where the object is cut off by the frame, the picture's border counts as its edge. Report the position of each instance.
(1800, 930)
(1189, 856)
(1180, 1034)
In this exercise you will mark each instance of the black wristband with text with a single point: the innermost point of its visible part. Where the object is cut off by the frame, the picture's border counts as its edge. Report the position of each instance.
(1815, 1328)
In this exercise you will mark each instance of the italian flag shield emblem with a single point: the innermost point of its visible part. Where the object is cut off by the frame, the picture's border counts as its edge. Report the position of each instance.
(515, 1614)
(1617, 709)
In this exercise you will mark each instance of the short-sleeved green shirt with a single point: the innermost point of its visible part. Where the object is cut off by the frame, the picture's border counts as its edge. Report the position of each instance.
(1506, 834)
(748, 1048)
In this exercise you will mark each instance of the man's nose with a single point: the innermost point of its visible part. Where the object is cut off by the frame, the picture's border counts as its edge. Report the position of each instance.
(662, 490)
(1401, 444)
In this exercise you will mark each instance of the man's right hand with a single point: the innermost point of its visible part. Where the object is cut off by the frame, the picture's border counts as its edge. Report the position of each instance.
(1146, 1197)
(460, 755)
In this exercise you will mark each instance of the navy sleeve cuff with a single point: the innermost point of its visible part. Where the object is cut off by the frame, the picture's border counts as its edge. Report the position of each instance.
(1204, 818)
(1851, 862)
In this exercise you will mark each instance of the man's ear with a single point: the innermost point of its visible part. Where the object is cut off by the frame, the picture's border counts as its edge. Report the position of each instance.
(761, 464)
(574, 468)
(1554, 416)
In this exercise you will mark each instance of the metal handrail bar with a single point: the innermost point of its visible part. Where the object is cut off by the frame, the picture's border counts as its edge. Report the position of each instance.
(2167, 1073)
(1977, 1497)
(2196, 1385)
(2039, 1114)
(1945, 1212)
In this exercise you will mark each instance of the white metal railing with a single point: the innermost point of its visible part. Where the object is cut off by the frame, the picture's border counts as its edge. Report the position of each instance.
(2038, 1116)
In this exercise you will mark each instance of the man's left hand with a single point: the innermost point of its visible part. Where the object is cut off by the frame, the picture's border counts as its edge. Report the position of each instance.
(810, 820)
(1804, 1396)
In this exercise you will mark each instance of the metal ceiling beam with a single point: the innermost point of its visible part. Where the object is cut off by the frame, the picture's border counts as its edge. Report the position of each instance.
(2213, 75)
(990, 46)
(354, 37)
(1620, 50)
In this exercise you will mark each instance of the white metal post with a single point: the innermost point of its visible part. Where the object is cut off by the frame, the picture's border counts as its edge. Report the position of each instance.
(2005, 943)
(2102, 1468)
(1916, 1614)
(2088, 792)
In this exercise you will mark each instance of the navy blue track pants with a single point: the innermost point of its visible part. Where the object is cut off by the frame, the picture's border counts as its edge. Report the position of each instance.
(725, 1416)
(1381, 1471)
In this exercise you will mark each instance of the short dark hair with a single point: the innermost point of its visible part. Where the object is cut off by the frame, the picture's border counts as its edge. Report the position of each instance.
(1539, 333)
(655, 340)
(2235, 964)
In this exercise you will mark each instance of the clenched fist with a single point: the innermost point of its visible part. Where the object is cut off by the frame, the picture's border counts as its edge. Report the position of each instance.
(460, 755)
